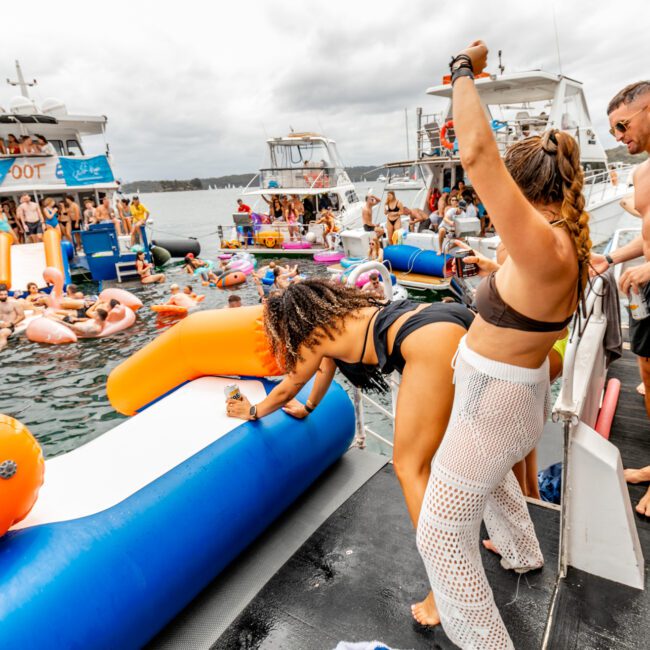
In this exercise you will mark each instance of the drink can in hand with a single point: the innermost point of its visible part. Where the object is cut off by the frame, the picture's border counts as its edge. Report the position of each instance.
(232, 391)
(463, 269)
(638, 305)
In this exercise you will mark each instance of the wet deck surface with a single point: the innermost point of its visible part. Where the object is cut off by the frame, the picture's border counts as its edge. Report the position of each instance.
(592, 612)
(357, 575)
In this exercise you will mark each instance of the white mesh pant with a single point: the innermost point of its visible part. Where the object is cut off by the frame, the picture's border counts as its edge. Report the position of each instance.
(498, 416)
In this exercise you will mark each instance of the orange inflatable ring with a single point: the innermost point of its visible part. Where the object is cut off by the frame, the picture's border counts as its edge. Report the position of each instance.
(21, 472)
(231, 279)
(169, 309)
(210, 342)
(443, 135)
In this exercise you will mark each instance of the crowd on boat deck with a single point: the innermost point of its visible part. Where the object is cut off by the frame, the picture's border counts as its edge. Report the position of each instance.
(26, 145)
(28, 220)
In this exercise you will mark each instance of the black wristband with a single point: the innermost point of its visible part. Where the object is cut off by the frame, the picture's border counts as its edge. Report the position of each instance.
(463, 71)
(308, 408)
(463, 59)
(609, 260)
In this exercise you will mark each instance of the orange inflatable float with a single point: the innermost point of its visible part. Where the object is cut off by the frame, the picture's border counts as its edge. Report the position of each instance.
(211, 342)
(6, 240)
(21, 472)
(231, 279)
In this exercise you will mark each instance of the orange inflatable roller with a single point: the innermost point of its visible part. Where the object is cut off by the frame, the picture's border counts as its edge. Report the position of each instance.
(214, 342)
(52, 246)
(6, 240)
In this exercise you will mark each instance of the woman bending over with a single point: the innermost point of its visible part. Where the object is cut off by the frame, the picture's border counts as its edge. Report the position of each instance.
(316, 326)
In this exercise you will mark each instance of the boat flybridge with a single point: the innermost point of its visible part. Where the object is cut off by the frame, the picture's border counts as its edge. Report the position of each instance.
(518, 105)
(303, 165)
(67, 170)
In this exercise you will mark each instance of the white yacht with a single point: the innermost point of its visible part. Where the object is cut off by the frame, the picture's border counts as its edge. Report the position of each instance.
(518, 105)
(306, 165)
(66, 170)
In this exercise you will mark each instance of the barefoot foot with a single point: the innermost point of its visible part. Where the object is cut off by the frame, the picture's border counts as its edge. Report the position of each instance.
(643, 507)
(426, 612)
(641, 389)
(637, 475)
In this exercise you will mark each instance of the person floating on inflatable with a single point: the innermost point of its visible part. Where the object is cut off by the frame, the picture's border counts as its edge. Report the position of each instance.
(180, 299)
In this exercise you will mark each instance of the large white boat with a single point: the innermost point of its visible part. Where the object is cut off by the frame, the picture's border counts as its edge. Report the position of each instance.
(306, 165)
(518, 105)
(67, 170)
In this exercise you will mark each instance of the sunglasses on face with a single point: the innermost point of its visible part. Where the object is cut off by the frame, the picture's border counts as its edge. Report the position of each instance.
(622, 125)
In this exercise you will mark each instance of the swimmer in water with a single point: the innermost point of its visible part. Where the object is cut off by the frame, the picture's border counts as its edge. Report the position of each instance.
(145, 270)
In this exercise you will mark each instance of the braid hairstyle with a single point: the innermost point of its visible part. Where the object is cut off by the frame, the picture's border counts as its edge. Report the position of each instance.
(307, 312)
(547, 170)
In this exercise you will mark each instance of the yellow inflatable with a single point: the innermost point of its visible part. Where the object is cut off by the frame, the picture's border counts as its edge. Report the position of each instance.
(214, 342)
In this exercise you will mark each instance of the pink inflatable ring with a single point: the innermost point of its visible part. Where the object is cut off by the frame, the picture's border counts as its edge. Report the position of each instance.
(296, 245)
(328, 257)
(124, 297)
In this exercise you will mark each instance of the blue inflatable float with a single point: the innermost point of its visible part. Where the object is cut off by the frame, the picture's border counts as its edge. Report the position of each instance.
(415, 260)
(130, 527)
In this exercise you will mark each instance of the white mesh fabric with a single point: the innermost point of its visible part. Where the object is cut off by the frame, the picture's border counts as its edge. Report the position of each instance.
(498, 417)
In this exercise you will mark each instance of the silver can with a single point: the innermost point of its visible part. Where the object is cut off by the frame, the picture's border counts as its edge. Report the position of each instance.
(638, 305)
(232, 391)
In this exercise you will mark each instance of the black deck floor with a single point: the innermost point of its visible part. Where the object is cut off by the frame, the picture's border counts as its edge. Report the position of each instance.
(592, 612)
(357, 575)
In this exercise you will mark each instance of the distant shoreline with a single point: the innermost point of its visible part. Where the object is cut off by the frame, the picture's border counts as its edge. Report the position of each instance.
(357, 174)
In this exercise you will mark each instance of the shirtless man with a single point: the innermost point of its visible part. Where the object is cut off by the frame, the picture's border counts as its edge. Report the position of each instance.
(629, 119)
(366, 212)
(90, 327)
(74, 213)
(11, 313)
(30, 217)
(104, 212)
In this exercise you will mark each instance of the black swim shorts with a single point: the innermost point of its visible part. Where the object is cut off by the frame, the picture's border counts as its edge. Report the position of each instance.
(640, 330)
(368, 228)
(34, 227)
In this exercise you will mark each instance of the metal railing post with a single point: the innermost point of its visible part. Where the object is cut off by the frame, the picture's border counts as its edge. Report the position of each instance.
(360, 435)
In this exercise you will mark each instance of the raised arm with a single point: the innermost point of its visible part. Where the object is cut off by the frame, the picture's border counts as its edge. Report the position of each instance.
(510, 211)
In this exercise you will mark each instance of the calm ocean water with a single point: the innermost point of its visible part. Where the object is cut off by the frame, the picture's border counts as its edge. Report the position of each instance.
(58, 392)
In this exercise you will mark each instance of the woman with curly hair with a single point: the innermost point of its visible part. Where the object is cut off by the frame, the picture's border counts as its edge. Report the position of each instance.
(534, 197)
(317, 326)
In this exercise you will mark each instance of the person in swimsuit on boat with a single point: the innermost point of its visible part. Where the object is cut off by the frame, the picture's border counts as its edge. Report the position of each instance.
(13, 146)
(534, 196)
(317, 326)
(376, 250)
(51, 214)
(64, 220)
(11, 313)
(366, 212)
(74, 214)
(393, 211)
(328, 221)
(144, 270)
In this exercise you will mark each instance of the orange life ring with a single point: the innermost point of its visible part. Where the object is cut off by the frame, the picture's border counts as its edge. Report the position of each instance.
(443, 135)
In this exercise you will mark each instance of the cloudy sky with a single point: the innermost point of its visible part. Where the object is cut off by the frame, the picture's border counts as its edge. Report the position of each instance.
(192, 89)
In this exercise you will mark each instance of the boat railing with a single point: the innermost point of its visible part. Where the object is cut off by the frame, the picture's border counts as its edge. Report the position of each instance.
(302, 177)
(362, 401)
(602, 184)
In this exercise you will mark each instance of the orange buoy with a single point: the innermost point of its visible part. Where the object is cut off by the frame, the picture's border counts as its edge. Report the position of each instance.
(21, 472)
(443, 135)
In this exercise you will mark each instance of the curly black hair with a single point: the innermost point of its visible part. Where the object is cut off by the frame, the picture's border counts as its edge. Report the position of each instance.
(305, 313)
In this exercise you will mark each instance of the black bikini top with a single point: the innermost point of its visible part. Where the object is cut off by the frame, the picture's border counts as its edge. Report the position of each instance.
(395, 209)
(494, 310)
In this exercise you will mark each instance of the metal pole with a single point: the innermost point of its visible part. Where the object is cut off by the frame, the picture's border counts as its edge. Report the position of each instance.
(563, 555)
(360, 437)
(406, 121)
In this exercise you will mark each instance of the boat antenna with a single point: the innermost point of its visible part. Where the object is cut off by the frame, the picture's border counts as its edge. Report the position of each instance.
(557, 41)
(21, 81)
(501, 67)
(406, 123)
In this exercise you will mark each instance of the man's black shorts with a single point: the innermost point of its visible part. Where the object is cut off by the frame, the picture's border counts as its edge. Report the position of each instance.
(640, 330)
(34, 227)
(368, 228)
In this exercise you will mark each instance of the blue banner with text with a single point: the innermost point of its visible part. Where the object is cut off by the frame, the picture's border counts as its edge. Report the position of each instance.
(86, 171)
(5, 166)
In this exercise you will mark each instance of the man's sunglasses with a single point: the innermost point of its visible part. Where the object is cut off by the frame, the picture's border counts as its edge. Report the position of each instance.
(623, 125)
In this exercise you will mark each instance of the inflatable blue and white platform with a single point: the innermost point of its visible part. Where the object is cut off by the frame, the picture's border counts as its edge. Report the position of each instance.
(130, 527)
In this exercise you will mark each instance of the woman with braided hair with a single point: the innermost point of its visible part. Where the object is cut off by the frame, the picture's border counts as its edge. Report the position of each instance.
(318, 325)
(502, 400)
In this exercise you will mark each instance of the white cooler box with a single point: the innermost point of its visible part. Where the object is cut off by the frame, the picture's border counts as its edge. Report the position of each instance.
(427, 241)
(467, 226)
(356, 242)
